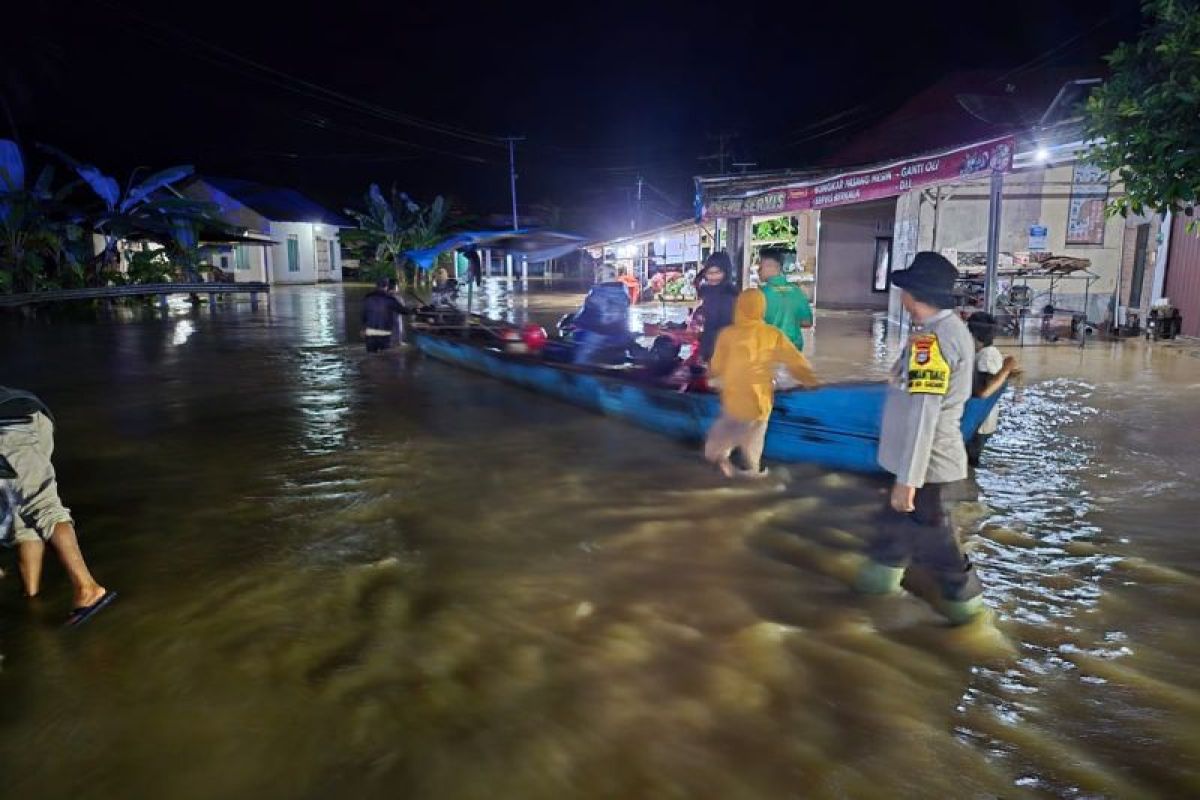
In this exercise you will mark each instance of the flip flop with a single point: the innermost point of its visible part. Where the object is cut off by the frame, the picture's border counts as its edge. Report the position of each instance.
(84, 613)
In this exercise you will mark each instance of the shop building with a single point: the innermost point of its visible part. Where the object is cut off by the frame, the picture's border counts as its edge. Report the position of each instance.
(1018, 201)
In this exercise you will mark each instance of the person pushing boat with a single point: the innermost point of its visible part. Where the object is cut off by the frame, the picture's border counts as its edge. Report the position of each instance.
(744, 365)
(381, 317)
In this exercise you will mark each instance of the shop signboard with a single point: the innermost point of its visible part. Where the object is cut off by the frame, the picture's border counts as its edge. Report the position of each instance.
(776, 201)
(1037, 238)
(964, 163)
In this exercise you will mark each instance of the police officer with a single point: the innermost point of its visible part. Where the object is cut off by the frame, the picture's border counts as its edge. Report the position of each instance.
(921, 444)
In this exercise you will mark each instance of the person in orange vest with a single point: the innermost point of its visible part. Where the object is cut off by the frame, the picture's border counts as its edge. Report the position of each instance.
(744, 365)
(631, 285)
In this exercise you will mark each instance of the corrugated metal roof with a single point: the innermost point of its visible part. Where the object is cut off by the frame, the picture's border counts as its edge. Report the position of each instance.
(276, 203)
(961, 107)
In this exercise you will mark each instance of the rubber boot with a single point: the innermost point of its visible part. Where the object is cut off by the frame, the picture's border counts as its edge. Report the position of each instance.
(960, 612)
(876, 578)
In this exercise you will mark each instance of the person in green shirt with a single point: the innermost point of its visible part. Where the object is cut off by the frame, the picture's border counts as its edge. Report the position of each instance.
(787, 304)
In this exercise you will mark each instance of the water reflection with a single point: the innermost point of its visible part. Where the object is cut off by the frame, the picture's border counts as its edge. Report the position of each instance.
(184, 329)
(352, 576)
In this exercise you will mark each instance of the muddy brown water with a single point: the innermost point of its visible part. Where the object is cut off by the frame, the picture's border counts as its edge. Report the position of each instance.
(359, 577)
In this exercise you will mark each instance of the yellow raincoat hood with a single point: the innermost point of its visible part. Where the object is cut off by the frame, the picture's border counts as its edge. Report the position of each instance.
(751, 306)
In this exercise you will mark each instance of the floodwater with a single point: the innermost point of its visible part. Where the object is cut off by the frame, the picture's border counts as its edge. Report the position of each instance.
(353, 577)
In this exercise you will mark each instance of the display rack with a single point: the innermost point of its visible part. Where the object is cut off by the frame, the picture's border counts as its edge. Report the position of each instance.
(1011, 314)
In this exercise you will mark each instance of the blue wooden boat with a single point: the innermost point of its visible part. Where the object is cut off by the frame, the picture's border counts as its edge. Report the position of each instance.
(836, 426)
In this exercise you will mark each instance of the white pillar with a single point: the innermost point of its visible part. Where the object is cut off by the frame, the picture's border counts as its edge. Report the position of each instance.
(524, 269)
(487, 262)
(508, 266)
(1160, 263)
(995, 210)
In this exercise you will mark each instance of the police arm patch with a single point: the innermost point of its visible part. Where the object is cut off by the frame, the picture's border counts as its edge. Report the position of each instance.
(928, 371)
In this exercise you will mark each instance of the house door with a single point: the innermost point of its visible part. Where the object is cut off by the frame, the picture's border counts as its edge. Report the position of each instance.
(1183, 274)
(324, 260)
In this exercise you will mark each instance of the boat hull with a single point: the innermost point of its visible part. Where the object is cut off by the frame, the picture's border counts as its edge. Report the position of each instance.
(835, 426)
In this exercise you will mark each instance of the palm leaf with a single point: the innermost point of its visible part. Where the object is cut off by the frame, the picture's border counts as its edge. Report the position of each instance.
(12, 167)
(155, 182)
(106, 188)
(41, 189)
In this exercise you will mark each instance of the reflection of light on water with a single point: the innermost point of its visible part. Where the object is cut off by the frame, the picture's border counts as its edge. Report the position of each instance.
(321, 332)
(1031, 475)
(183, 331)
(325, 395)
(495, 299)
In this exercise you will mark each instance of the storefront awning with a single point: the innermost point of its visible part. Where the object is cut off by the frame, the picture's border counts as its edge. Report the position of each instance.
(724, 198)
(531, 244)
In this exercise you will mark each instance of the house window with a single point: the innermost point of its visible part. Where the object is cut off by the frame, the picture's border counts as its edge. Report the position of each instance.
(293, 258)
(242, 257)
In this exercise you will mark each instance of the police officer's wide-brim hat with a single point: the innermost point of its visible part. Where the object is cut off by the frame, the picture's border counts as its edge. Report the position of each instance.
(930, 278)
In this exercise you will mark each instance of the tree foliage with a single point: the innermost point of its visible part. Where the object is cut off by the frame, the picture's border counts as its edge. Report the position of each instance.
(39, 247)
(392, 225)
(1146, 117)
(142, 209)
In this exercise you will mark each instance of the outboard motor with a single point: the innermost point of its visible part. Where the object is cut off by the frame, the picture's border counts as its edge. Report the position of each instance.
(565, 326)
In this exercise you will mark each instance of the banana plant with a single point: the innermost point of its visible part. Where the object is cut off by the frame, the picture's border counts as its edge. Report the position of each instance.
(384, 223)
(38, 246)
(398, 224)
(141, 209)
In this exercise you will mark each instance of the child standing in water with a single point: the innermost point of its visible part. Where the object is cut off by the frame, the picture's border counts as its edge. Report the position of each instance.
(992, 369)
(744, 363)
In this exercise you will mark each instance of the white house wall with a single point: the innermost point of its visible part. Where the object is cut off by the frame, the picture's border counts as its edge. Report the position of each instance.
(307, 269)
(306, 235)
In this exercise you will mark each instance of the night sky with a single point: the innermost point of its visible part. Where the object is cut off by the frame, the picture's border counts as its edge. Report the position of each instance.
(344, 93)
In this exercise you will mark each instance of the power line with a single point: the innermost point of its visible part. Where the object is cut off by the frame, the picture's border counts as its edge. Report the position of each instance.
(1047, 54)
(325, 123)
(310, 89)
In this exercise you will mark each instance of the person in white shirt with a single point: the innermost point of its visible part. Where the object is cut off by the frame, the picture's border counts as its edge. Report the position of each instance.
(992, 369)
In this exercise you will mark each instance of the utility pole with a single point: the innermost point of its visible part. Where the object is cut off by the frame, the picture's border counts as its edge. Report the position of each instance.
(636, 222)
(722, 153)
(512, 172)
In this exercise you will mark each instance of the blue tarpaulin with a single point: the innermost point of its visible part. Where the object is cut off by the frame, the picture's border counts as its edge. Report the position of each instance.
(530, 243)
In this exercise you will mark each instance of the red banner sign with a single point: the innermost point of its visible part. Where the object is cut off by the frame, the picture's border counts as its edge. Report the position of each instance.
(964, 163)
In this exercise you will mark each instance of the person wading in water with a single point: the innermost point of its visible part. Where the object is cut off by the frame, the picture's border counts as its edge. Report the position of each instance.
(380, 317)
(921, 444)
(744, 364)
(30, 505)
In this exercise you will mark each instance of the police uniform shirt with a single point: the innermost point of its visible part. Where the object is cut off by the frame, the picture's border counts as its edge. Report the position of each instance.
(920, 441)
